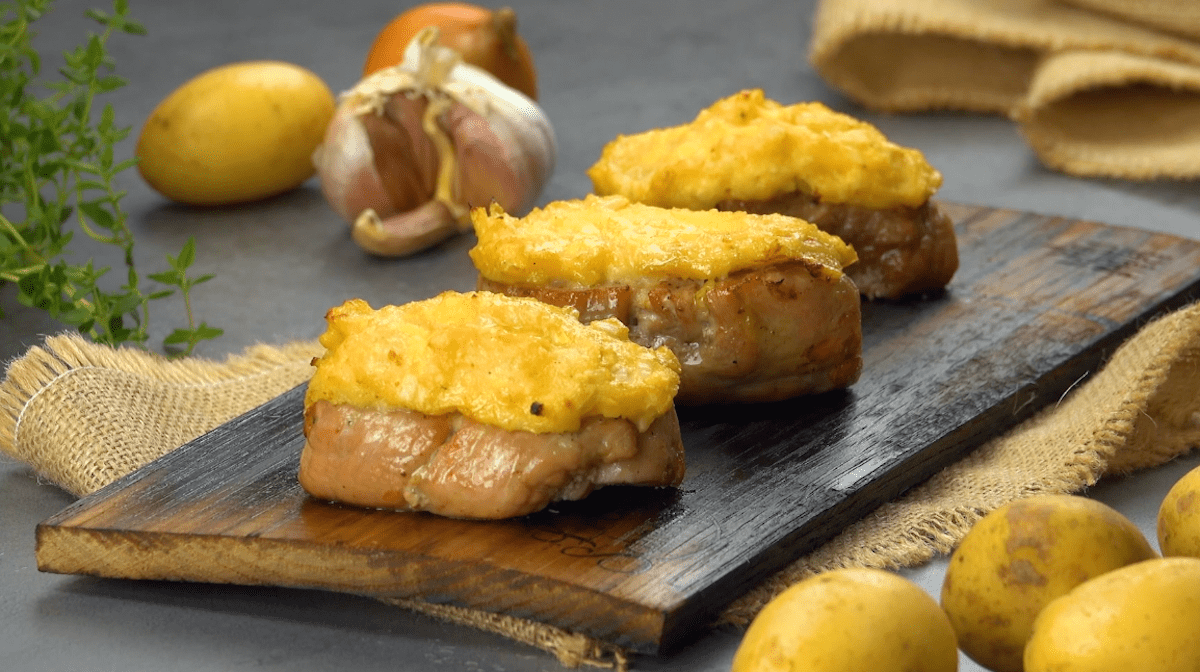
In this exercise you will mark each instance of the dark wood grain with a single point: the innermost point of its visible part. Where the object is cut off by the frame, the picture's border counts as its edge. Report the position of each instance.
(1039, 302)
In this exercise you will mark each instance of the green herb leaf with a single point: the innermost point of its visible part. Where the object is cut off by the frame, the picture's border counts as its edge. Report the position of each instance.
(57, 167)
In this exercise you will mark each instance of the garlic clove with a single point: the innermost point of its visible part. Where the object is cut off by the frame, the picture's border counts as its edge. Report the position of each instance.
(346, 165)
(515, 156)
(489, 168)
(517, 120)
(405, 156)
(406, 232)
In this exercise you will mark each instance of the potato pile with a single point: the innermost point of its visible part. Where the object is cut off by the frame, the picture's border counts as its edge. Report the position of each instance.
(1047, 583)
(1021, 556)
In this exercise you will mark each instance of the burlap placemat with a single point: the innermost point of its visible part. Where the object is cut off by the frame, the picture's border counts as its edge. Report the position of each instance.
(1114, 114)
(1095, 94)
(82, 415)
(1173, 16)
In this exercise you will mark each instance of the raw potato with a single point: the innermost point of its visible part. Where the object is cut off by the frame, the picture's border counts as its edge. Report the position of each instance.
(236, 133)
(1179, 517)
(1021, 556)
(1142, 617)
(849, 620)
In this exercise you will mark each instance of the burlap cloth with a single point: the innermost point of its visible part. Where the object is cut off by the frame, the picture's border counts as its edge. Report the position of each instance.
(82, 415)
(1098, 87)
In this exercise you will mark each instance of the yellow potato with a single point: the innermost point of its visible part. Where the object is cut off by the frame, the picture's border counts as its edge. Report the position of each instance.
(1142, 617)
(1179, 517)
(849, 620)
(236, 133)
(1021, 556)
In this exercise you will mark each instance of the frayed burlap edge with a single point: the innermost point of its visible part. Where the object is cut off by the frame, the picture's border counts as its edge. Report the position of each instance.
(1113, 114)
(1071, 77)
(60, 411)
(571, 649)
(1173, 16)
(975, 55)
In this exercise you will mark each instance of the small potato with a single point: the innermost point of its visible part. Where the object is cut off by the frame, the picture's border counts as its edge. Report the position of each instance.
(1179, 517)
(1021, 556)
(1142, 617)
(236, 133)
(849, 620)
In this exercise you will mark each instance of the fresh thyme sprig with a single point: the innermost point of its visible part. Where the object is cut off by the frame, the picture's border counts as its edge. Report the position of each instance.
(57, 165)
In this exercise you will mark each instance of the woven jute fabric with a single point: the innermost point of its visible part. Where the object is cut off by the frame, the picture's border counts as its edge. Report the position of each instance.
(82, 415)
(1075, 78)
(1174, 16)
(1102, 114)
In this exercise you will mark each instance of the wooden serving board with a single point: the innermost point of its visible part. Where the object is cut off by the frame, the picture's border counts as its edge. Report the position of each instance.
(1038, 303)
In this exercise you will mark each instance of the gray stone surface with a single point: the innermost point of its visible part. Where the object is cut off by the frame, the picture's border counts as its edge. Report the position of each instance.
(609, 67)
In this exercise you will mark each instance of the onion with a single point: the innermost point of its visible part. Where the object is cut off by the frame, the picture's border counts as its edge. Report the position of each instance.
(484, 38)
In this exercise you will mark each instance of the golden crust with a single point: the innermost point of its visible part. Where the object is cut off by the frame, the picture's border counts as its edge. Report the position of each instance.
(748, 147)
(513, 363)
(599, 241)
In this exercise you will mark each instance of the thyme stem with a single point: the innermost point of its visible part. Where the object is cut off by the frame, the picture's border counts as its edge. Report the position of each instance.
(57, 166)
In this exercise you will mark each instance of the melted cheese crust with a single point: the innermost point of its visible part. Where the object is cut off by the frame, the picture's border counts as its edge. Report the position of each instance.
(750, 148)
(599, 241)
(510, 362)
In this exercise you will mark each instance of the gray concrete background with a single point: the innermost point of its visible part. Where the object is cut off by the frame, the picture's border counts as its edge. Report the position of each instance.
(617, 66)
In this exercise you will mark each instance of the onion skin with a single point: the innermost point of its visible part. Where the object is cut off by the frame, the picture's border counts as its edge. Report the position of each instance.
(485, 39)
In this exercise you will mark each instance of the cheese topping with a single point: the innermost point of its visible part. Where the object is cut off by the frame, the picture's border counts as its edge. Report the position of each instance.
(600, 241)
(749, 148)
(514, 363)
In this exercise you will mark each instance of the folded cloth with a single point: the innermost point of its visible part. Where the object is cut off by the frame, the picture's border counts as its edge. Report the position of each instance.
(1073, 78)
(82, 415)
(1114, 114)
(1175, 16)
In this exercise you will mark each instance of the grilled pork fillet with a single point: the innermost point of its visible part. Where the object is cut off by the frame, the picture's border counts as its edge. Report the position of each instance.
(453, 466)
(764, 334)
(901, 250)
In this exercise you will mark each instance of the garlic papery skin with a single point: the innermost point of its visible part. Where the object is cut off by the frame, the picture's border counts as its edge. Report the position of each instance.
(346, 164)
(431, 129)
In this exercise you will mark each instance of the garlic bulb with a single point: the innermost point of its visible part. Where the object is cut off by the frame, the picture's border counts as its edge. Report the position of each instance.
(412, 148)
